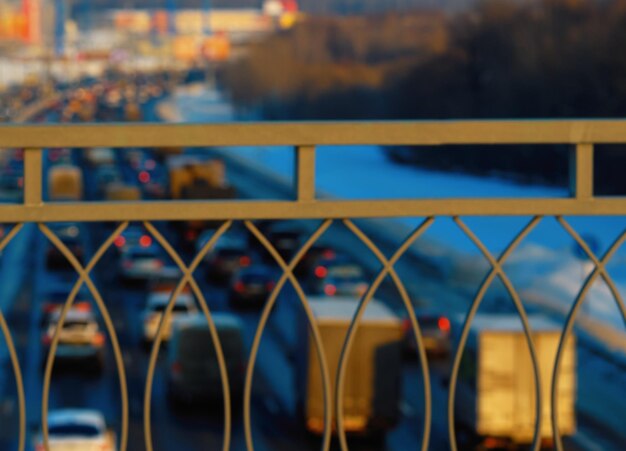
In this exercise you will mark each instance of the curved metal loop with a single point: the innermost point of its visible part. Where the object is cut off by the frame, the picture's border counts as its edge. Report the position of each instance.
(15, 363)
(496, 269)
(321, 355)
(600, 264)
(600, 269)
(84, 277)
(187, 278)
(387, 269)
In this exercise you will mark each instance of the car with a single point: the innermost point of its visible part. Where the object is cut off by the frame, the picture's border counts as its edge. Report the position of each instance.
(99, 156)
(80, 339)
(77, 429)
(314, 254)
(436, 333)
(286, 239)
(228, 256)
(56, 296)
(339, 276)
(232, 238)
(193, 374)
(133, 236)
(11, 184)
(60, 156)
(153, 182)
(106, 176)
(166, 280)
(285, 236)
(140, 264)
(70, 235)
(250, 287)
(153, 312)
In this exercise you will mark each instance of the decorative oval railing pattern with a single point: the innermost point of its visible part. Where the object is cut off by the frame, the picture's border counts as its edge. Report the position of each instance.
(305, 205)
(85, 278)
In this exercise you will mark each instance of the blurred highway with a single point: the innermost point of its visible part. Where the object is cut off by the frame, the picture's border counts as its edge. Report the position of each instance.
(27, 280)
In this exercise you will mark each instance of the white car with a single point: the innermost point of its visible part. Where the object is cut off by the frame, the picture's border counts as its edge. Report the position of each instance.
(156, 305)
(77, 429)
(80, 338)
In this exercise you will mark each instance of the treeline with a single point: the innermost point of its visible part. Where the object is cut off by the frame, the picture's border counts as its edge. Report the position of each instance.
(325, 64)
(502, 59)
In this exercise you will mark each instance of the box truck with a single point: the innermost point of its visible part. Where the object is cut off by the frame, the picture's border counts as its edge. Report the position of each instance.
(495, 393)
(65, 183)
(372, 386)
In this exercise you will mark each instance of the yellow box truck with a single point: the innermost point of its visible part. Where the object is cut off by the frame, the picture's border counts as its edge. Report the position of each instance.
(373, 375)
(65, 183)
(193, 178)
(495, 394)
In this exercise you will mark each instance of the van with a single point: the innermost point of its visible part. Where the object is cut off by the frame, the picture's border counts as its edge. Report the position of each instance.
(193, 369)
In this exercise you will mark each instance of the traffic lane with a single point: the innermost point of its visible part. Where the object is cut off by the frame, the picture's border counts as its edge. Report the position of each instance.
(15, 300)
(202, 428)
(275, 363)
(70, 386)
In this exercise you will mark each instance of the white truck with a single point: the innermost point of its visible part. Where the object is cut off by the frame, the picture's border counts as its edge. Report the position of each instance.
(372, 387)
(495, 393)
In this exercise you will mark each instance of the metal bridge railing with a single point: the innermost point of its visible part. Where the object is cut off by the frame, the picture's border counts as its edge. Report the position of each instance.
(582, 135)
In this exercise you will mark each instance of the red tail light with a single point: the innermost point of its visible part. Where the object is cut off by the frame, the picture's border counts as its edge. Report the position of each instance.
(99, 339)
(321, 271)
(120, 241)
(406, 325)
(270, 285)
(240, 287)
(46, 340)
(444, 324)
(191, 235)
(244, 261)
(145, 241)
(330, 290)
(177, 368)
(144, 176)
(329, 254)
(83, 306)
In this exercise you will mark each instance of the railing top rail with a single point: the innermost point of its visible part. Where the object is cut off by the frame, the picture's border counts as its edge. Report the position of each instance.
(315, 133)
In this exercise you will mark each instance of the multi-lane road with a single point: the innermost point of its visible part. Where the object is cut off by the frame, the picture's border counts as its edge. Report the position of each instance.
(275, 423)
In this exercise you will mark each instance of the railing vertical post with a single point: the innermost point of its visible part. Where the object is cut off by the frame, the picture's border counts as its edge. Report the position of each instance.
(305, 173)
(581, 171)
(33, 174)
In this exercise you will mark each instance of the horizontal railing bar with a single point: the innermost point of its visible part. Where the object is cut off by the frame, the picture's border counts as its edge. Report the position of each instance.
(222, 210)
(315, 133)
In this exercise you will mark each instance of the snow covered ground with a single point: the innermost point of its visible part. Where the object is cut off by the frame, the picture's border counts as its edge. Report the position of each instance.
(544, 266)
